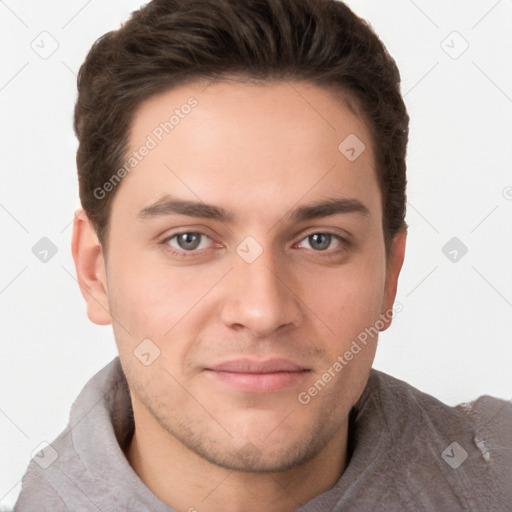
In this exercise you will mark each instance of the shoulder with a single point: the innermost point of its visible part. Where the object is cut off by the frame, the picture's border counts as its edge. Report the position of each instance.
(473, 437)
(490, 416)
(487, 415)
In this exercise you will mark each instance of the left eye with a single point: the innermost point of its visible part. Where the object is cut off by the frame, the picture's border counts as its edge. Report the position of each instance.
(320, 241)
(189, 241)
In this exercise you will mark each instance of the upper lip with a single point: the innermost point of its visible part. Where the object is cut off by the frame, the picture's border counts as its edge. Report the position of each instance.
(254, 366)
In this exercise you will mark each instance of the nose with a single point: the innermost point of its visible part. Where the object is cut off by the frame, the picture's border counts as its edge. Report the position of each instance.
(258, 296)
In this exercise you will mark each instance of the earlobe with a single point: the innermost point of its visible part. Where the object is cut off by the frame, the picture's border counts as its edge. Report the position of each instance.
(393, 268)
(90, 269)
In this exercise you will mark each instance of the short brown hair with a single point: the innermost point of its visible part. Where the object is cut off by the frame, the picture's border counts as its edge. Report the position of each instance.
(174, 42)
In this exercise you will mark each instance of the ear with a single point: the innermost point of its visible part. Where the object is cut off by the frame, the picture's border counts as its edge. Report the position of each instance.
(90, 269)
(393, 266)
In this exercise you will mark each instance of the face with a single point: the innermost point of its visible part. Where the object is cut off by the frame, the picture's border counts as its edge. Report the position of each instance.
(247, 250)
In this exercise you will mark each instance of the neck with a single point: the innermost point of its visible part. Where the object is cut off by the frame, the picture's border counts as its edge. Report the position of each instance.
(185, 481)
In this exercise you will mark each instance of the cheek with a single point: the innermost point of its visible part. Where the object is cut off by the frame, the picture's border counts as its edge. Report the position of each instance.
(152, 299)
(349, 300)
(138, 298)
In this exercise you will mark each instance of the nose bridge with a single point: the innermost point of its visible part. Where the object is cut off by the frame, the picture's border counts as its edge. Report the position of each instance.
(257, 298)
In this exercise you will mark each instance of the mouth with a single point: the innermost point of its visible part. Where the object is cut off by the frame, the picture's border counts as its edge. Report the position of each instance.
(252, 376)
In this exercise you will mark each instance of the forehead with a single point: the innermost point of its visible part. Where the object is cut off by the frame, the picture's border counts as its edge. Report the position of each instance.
(249, 146)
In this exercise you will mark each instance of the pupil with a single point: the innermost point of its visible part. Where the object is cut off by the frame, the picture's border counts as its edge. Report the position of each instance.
(320, 241)
(188, 240)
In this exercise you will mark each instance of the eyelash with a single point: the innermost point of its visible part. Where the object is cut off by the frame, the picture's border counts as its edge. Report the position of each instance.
(344, 244)
(182, 253)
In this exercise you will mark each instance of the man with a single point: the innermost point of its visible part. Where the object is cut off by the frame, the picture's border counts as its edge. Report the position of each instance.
(242, 175)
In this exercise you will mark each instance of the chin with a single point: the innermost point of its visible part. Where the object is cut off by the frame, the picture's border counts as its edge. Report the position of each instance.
(252, 459)
(261, 455)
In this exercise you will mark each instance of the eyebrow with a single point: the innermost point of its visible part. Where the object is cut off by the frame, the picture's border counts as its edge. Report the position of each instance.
(326, 208)
(173, 206)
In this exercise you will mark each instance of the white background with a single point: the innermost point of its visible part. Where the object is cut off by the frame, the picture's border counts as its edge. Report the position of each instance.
(453, 338)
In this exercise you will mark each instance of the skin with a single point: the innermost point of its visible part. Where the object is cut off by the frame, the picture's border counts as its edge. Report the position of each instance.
(258, 152)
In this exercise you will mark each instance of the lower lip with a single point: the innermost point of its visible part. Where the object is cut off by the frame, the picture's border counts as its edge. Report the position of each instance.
(259, 382)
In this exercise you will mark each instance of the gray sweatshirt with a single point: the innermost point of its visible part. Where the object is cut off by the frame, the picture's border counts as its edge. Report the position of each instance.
(408, 452)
